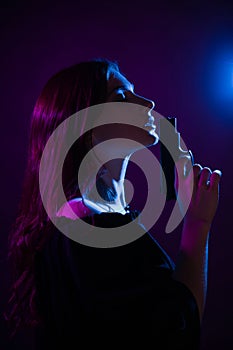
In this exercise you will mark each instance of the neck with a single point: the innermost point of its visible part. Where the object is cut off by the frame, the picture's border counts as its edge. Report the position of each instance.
(110, 185)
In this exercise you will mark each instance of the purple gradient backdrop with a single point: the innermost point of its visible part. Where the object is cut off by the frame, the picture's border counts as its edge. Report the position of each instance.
(170, 52)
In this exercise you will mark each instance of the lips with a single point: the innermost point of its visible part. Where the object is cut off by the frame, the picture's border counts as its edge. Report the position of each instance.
(150, 122)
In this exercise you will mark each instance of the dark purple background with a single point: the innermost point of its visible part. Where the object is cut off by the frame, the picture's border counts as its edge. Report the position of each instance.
(174, 53)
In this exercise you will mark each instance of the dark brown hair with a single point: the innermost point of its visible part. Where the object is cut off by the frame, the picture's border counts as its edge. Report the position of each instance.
(67, 92)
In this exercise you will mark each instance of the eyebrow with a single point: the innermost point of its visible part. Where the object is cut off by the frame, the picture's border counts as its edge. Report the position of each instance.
(129, 86)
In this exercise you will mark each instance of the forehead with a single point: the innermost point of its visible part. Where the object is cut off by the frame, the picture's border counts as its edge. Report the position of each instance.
(117, 79)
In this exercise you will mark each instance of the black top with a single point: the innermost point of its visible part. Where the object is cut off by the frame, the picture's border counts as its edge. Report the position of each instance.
(112, 296)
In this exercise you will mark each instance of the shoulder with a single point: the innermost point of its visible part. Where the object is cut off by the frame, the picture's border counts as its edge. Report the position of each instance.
(73, 209)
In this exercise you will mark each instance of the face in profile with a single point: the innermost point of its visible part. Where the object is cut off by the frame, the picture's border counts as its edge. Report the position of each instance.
(138, 126)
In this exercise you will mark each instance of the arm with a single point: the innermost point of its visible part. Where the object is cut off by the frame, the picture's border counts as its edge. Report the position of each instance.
(192, 261)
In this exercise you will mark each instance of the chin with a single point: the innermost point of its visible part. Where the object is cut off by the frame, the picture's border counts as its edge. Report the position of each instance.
(154, 138)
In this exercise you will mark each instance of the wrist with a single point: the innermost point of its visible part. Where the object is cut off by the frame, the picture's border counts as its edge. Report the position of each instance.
(202, 226)
(195, 235)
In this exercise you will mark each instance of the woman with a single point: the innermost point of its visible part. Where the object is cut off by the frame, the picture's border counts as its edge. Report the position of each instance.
(130, 293)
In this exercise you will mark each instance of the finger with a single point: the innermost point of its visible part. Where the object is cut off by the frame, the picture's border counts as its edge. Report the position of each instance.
(189, 164)
(215, 179)
(204, 177)
(191, 155)
(197, 168)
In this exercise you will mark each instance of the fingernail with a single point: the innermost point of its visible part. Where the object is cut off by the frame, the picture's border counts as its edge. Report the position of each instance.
(218, 172)
(191, 155)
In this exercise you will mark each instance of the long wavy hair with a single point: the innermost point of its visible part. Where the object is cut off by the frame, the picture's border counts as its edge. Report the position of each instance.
(67, 92)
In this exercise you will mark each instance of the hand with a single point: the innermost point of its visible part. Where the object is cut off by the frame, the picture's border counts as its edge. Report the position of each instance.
(197, 189)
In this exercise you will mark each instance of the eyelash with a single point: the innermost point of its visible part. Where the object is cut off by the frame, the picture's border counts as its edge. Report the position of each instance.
(122, 97)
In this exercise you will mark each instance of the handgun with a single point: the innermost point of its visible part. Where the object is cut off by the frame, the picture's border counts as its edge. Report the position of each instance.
(169, 136)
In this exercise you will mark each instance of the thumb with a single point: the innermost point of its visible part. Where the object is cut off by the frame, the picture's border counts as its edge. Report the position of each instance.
(181, 165)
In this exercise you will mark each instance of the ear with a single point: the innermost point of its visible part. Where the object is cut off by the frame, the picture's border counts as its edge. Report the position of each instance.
(88, 140)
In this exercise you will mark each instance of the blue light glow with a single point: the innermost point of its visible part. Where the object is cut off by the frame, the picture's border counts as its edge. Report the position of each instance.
(219, 83)
(225, 80)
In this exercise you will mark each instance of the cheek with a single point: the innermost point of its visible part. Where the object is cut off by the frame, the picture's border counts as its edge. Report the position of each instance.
(126, 133)
(106, 132)
(122, 112)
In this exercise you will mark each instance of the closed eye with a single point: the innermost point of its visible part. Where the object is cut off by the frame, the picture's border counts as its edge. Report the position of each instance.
(121, 96)
(122, 90)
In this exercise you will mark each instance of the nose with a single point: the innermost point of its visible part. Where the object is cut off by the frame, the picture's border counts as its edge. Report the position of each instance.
(149, 104)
